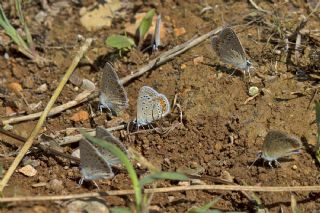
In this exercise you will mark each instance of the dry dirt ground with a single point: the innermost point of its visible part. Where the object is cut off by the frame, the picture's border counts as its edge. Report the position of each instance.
(220, 134)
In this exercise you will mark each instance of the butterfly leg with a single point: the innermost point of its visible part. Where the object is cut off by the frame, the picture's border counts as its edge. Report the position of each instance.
(80, 181)
(270, 164)
(277, 163)
(96, 185)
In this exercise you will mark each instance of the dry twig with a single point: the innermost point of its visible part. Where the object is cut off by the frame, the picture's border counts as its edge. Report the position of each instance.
(258, 8)
(280, 189)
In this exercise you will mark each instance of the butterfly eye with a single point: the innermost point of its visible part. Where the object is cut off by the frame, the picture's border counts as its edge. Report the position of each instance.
(248, 63)
(259, 154)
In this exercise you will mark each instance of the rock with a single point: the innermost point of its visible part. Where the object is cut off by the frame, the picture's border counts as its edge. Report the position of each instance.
(88, 85)
(55, 185)
(253, 91)
(179, 31)
(15, 87)
(198, 60)
(101, 16)
(40, 17)
(28, 82)
(76, 153)
(28, 170)
(80, 116)
(93, 205)
(42, 88)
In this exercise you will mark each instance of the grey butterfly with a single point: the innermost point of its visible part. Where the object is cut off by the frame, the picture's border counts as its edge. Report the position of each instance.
(156, 36)
(151, 106)
(277, 145)
(112, 94)
(95, 161)
(228, 47)
(93, 165)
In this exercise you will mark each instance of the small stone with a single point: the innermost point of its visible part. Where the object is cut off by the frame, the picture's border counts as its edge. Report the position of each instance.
(88, 85)
(42, 88)
(80, 116)
(171, 198)
(76, 153)
(55, 185)
(28, 82)
(15, 87)
(198, 60)
(294, 167)
(179, 31)
(253, 91)
(184, 183)
(40, 17)
(28, 170)
(93, 205)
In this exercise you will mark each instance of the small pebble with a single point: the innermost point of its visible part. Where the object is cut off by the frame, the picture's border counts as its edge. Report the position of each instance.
(294, 167)
(42, 88)
(28, 170)
(55, 185)
(253, 91)
(87, 85)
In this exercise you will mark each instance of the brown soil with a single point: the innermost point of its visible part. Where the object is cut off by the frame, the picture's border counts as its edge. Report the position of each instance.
(221, 133)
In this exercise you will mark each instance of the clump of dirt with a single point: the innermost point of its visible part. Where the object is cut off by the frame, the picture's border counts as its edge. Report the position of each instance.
(222, 130)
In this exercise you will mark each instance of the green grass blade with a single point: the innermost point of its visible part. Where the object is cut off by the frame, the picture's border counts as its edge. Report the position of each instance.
(145, 24)
(206, 207)
(126, 162)
(24, 24)
(294, 206)
(162, 176)
(9, 30)
(120, 210)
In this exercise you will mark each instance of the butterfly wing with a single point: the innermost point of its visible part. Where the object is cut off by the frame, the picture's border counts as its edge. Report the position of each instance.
(228, 47)
(156, 37)
(279, 144)
(112, 94)
(161, 107)
(93, 165)
(144, 105)
(104, 134)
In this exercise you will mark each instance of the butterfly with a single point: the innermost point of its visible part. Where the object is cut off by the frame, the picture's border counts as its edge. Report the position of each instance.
(93, 165)
(277, 145)
(151, 106)
(228, 47)
(156, 36)
(112, 94)
(96, 161)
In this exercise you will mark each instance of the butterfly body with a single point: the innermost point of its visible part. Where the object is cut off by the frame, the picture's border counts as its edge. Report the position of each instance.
(229, 49)
(151, 106)
(112, 94)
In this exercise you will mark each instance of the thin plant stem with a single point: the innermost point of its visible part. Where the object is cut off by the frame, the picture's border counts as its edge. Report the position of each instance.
(279, 189)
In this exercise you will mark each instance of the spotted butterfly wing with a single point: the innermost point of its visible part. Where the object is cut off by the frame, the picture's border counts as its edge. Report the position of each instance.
(112, 94)
(151, 106)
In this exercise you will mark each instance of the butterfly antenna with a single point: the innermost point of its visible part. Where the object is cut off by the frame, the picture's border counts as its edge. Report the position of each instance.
(257, 158)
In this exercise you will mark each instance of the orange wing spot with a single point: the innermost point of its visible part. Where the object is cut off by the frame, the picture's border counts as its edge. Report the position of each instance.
(163, 104)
